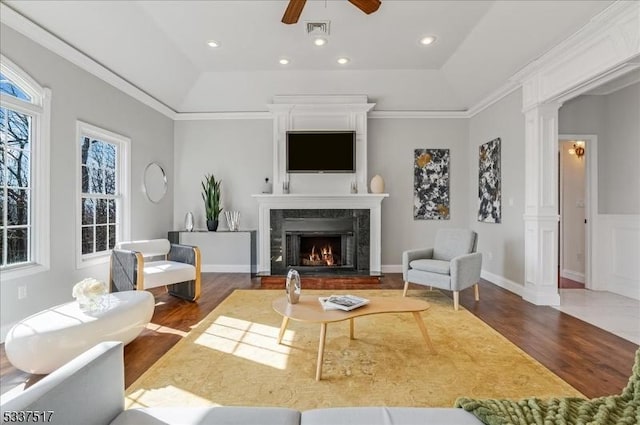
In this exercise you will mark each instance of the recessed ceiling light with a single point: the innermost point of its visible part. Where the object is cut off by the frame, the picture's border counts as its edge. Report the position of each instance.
(320, 41)
(213, 43)
(343, 61)
(427, 40)
(284, 61)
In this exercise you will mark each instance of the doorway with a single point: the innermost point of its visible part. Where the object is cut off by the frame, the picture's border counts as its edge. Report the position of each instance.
(577, 207)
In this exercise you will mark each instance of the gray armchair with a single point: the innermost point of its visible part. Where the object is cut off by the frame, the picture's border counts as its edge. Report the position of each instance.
(452, 264)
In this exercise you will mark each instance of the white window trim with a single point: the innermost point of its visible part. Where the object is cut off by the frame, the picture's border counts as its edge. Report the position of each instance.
(40, 109)
(124, 185)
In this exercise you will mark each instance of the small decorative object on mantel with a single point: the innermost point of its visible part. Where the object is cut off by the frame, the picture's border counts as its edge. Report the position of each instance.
(354, 187)
(211, 196)
(377, 184)
(267, 187)
(91, 295)
(293, 287)
(233, 220)
(285, 186)
(188, 222)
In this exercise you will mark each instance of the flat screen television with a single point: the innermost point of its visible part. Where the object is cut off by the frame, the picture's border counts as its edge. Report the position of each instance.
(325, 151)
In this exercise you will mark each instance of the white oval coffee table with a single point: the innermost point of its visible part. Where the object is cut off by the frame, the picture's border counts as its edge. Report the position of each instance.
(46, 340)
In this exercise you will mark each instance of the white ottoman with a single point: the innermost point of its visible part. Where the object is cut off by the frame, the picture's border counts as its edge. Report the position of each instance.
(45, 341)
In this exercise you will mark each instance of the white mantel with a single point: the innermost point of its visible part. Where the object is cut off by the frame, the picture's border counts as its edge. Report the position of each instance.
(370, 201)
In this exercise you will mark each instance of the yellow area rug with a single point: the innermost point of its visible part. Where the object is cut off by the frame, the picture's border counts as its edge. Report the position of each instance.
(232, 358)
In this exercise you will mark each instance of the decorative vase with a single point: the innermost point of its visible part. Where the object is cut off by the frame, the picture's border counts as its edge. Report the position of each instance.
(292, 286)
(188, 222)
(377, 184)
(212, 225)
(233, 220)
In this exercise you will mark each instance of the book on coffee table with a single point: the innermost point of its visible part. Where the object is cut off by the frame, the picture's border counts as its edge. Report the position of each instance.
(342, 302)
(325, 306)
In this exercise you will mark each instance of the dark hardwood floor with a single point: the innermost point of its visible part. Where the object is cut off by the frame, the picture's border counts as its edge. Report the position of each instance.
(592, 360)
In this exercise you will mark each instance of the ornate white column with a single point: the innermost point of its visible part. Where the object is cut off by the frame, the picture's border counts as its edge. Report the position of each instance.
(541, 205)
(606, 48)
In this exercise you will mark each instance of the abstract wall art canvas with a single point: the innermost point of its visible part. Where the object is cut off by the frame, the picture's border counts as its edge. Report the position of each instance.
(489, 183)
(431, 184)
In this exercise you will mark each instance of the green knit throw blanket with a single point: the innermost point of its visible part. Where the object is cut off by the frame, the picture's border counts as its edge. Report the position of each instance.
(611, 410)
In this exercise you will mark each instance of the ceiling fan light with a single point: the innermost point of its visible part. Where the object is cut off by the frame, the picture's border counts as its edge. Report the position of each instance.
(284, 61)
(429, 39)
(343, 61)
(320, 41)
(213, 43)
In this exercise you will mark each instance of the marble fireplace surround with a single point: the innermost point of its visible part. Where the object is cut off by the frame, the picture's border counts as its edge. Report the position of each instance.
(368, 201)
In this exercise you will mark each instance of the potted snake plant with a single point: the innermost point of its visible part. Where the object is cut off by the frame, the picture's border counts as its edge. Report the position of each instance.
(211, 197)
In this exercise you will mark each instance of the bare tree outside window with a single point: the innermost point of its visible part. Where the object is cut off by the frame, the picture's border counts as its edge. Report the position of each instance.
(15, 179)
(99, 195)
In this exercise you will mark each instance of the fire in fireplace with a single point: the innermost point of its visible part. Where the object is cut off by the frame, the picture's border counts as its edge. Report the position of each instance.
(320, 251)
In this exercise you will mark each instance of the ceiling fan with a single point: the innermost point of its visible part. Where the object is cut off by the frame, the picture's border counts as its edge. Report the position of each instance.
(294, 9)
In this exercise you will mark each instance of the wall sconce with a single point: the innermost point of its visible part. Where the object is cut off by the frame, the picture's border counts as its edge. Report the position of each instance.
(577, 149)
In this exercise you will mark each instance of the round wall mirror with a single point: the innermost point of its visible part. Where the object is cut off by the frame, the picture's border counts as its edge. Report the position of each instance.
(155, 182)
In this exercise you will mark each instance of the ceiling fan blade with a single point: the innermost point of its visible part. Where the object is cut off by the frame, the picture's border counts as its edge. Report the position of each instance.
(294, 9)
(367, 6)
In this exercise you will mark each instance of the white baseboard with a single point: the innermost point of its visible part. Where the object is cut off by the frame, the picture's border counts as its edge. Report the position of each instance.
(570, 274)
(392, 268)
(500, 281)
(503, 282)
(226, 268)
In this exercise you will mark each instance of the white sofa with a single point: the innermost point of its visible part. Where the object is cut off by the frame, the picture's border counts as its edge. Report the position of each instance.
(90, 390)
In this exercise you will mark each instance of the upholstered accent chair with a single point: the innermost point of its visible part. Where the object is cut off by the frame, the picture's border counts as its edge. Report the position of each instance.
(146, 264)
(452, 264)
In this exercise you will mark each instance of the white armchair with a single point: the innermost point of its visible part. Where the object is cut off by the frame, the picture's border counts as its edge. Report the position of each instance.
(452, 264)
(145, 264)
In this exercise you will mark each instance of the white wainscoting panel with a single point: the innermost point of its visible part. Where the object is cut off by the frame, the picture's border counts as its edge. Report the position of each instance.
(617, 261)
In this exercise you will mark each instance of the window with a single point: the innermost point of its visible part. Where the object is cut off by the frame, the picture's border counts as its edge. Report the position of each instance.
(24, 169)
(103, 194)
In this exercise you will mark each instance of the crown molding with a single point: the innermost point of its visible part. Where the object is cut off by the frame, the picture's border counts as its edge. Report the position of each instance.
(609, 42)
(612, 16)
(619, 12)
(24, 26)
(417, 114)
(502, 92)
(227, 115)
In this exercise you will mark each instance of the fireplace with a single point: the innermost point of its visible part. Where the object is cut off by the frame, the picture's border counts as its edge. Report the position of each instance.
(321, 244)
(320, 241)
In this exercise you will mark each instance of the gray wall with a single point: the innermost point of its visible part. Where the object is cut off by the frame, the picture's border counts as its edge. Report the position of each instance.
(619, 179)
(240, 152)
(502, 244)
(78, 95)
(614, 119)
(390, 147)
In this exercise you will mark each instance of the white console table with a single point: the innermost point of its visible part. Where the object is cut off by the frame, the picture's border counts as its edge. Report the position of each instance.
(222, 251)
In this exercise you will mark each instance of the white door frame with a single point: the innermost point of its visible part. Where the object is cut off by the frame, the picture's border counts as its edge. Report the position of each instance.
(591, 204)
